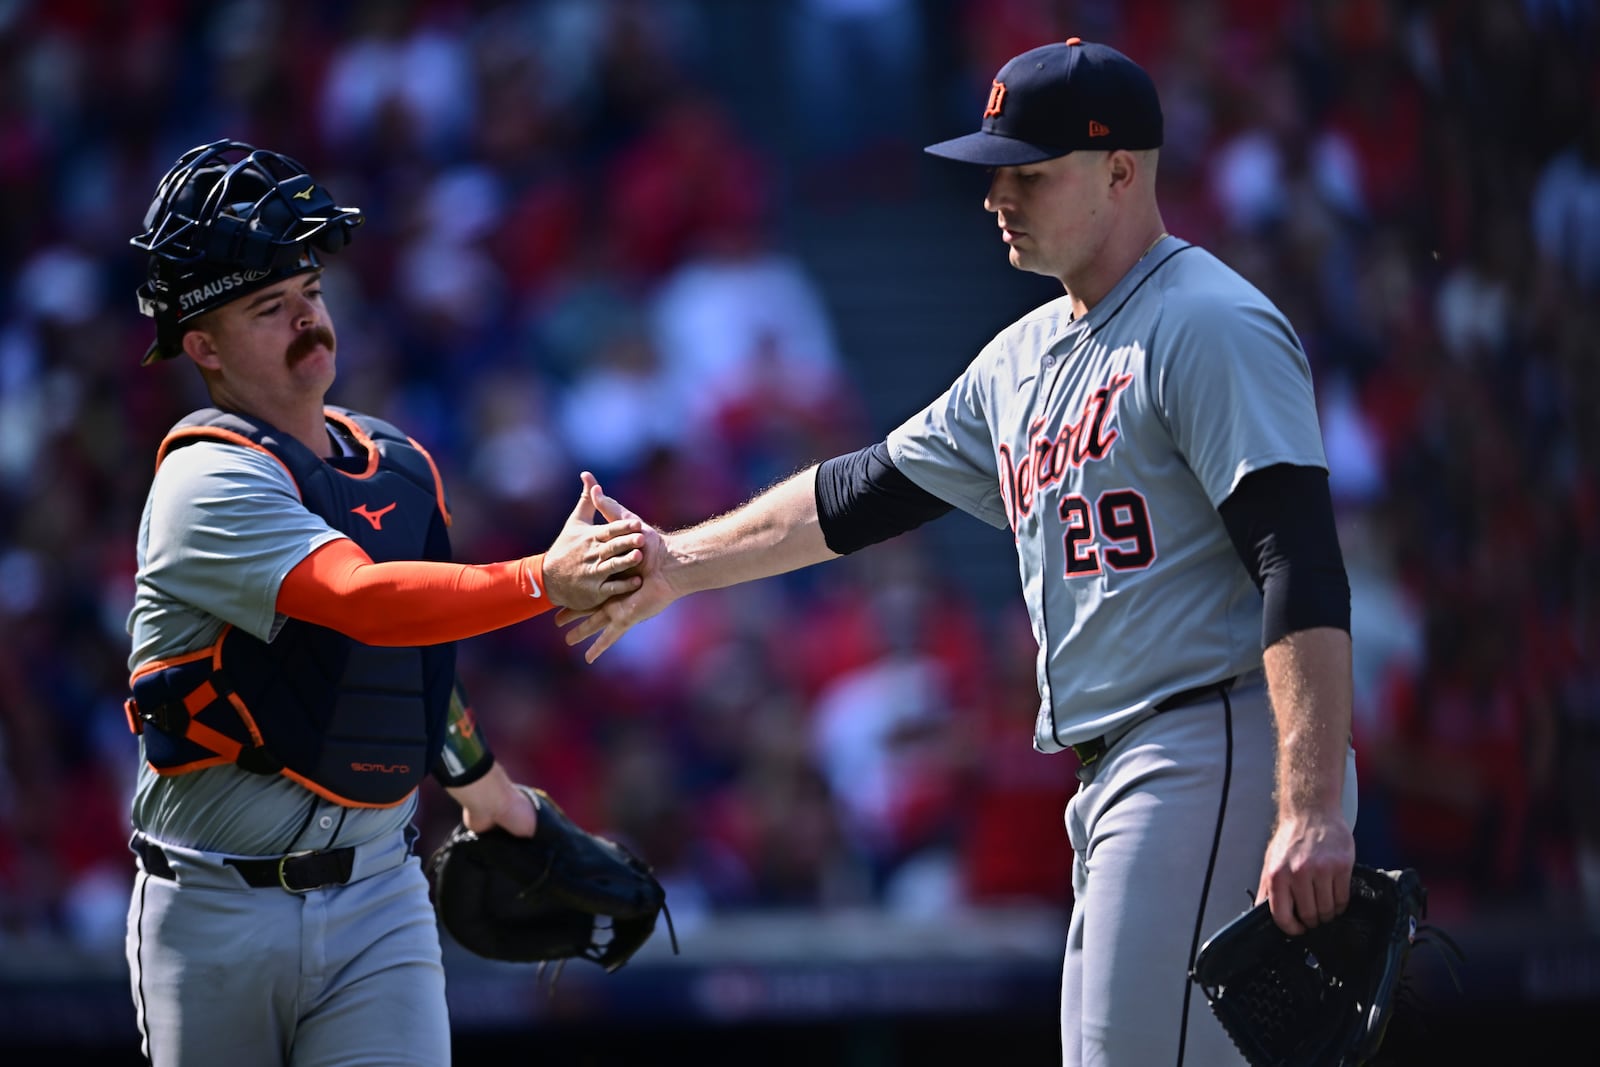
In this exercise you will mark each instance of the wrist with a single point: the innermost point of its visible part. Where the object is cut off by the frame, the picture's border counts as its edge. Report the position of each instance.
(677, 571)
(494, 800)
(531, 796)
(467, 777)
(530, 577)
(1307, 808)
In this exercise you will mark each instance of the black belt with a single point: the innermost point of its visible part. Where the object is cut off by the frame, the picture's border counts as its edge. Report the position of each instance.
(1092, 749)
(297, 872)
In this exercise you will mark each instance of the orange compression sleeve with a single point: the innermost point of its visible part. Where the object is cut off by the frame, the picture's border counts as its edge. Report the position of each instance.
(410, 602)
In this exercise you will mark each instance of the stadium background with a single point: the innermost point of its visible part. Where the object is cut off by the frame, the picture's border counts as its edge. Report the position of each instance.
(692, 245)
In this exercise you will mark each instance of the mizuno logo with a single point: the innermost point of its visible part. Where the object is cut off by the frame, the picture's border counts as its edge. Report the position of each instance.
(304, 194)
(381, 768)
(374, 517)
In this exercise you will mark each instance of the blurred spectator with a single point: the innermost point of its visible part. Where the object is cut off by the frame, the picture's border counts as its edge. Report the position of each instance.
(688, 185)
(1470, 743)
(854, 75)
(1566, 209)
(1474, 301)
(742, 321)
(1016, 796)
(622, 386)
(1276, 168)
(1577, 698)
(885, 739)
(516, 456)
(401, 78)
(1379, 116)
(1355, 464)
(892, 661)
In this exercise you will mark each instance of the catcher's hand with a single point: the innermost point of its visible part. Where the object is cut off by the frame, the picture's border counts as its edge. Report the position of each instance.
(1324, 997)
(549, 897)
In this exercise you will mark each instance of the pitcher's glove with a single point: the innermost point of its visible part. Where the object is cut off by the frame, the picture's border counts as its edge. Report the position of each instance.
(1324, 997)
(552, 897)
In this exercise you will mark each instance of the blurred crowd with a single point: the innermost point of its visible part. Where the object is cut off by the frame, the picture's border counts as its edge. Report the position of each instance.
(572, 259)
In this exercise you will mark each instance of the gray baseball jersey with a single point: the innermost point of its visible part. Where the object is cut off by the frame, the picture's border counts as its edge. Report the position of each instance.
(1106, 444)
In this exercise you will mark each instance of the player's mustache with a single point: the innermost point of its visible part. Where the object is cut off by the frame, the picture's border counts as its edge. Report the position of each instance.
(307, 340)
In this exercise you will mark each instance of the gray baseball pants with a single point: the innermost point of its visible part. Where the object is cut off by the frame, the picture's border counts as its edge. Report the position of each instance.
(1169, 830)
(349, 976)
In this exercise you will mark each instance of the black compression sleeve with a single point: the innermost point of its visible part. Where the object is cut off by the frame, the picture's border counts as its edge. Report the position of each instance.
(862, 498)
(1281, 522)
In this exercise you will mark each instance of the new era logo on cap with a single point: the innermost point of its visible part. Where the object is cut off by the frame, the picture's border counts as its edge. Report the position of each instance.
(1062, 98)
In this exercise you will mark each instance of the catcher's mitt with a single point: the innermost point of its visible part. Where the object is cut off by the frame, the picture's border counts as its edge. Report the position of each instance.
(546, 897)
(1326, 996)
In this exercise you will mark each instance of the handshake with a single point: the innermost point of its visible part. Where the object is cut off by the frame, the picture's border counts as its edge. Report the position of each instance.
(617, 574)
(606, 575)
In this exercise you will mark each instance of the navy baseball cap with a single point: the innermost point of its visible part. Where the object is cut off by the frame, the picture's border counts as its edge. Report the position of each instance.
(1062, 98)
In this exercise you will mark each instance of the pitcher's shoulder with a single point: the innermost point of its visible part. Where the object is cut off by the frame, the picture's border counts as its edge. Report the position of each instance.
(1197, 279)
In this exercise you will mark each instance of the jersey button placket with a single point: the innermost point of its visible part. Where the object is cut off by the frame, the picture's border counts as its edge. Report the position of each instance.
(1053, 379)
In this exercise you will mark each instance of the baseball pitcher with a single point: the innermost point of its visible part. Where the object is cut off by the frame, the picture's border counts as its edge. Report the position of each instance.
(1150, 442)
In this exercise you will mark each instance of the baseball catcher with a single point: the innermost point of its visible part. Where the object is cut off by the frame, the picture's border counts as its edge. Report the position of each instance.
(562, 894)
(1323, 998)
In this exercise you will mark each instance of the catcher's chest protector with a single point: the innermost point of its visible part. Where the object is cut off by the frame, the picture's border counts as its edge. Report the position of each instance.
(354, 723)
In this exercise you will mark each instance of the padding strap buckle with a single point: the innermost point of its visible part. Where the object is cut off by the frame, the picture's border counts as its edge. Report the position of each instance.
(135, 720)
(171, 717)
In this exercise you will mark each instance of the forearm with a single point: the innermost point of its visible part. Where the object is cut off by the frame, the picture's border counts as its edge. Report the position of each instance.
(408, 602)
(774, 533)
(1309, 680)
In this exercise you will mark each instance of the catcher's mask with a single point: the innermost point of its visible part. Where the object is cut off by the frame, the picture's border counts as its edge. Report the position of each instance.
(226, 220)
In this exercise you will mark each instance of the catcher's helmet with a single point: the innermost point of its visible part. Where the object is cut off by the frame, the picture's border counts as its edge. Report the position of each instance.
(226, 220)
